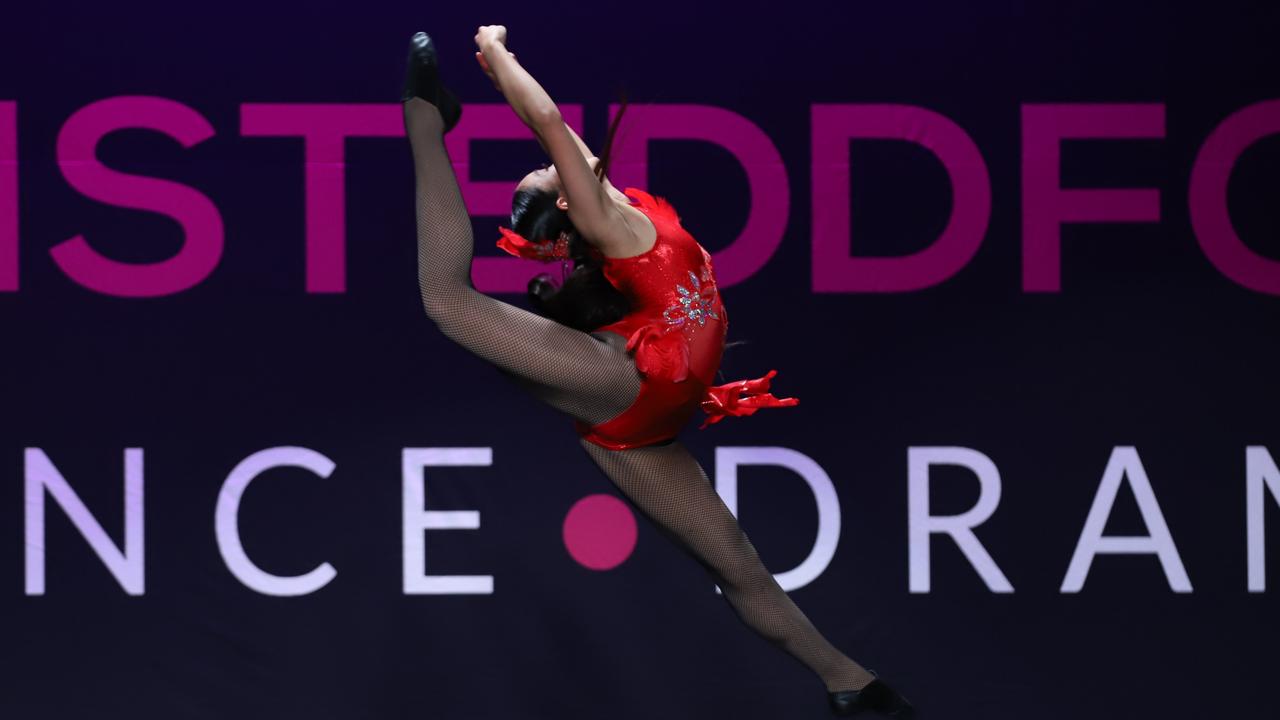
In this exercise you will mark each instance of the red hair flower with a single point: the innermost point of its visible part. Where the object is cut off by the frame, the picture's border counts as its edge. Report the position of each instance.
(545, 251)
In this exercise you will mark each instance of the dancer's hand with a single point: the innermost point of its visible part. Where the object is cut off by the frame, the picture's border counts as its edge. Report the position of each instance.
(491, 35)
(491, 39)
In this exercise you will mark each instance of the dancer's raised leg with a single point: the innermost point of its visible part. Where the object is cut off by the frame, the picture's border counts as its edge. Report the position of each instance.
(672, 490)
(576, 373)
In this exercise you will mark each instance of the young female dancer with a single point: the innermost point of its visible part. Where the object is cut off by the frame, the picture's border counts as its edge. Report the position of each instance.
(633, 348)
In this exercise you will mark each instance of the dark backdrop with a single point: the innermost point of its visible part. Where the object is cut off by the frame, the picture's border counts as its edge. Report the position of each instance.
(1146, 345)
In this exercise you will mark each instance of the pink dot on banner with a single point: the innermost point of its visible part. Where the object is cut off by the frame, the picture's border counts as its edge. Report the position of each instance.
(600, 532)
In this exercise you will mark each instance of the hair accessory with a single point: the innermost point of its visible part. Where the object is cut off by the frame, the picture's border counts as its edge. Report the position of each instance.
(544, 251)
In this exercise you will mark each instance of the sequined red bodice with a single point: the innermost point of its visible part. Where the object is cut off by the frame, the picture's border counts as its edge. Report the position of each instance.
(677, 322)
(675, 332)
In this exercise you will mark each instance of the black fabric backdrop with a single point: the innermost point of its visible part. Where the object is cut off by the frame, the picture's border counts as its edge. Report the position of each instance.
(1147, 345)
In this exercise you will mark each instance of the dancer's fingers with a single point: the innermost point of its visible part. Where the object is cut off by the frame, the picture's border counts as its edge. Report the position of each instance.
(496, 33)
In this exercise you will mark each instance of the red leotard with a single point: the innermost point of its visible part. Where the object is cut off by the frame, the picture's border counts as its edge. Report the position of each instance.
(676, 333)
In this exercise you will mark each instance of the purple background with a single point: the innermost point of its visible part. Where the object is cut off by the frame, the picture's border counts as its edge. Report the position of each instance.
(1147, 345)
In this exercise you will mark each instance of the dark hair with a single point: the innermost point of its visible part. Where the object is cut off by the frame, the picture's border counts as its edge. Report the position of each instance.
(586, 300)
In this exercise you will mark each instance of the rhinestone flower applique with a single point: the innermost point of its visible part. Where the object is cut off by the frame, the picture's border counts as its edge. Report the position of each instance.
(697, 304)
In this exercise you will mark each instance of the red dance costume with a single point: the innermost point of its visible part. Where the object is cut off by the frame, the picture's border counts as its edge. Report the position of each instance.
(675, 332)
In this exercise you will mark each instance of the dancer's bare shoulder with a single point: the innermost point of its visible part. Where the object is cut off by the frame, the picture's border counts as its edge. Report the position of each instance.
(640, 234)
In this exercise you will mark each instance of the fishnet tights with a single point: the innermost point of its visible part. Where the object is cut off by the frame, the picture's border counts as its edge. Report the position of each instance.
(592, 379)
(669, 486)
(572, 371)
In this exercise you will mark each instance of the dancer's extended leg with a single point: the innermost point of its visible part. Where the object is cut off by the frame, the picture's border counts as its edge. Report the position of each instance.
(572, 371)
(594, 381)
(672, 490)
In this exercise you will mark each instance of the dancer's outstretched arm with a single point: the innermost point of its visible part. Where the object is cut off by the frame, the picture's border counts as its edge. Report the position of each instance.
(602, 221)
(592, 160)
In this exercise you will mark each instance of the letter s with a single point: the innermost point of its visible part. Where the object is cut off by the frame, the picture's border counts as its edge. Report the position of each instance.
(195, 212)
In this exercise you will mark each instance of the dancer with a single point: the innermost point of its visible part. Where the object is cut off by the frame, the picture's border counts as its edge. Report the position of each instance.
(630, 344)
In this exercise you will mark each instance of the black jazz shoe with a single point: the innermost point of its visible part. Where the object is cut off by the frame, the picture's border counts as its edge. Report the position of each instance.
(422, 79)
(877, 696)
